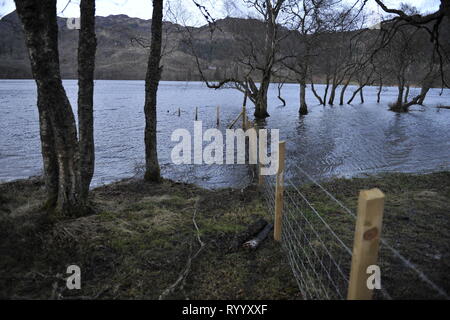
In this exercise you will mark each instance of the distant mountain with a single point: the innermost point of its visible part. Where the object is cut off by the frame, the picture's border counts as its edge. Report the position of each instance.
(123, 45)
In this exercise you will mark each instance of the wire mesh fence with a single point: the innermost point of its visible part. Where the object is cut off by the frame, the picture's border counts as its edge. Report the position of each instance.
(318, 236)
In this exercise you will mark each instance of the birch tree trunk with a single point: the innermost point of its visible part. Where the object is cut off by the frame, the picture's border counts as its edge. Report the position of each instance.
(406, 94)
(57, 123)
(152, 170)
(67, 188)
(87, 45)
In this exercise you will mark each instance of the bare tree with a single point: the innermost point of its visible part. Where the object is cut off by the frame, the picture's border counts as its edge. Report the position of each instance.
(431, 23)
(152, 169)
(257, 58)
(307, 19)
(270, 10)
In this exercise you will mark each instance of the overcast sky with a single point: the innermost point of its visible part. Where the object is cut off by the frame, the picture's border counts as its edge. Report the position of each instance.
(143, 8)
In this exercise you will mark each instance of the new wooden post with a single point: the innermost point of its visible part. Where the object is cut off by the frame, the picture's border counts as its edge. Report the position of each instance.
(260, 176)
(218, 115)
(279, 192)
(263, 151)
(366, 243)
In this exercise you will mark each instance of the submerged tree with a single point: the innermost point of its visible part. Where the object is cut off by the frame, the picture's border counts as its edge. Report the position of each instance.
(258, 53)
(68, 162)
(269, 10)
(308, 18)
(430, 24)
(152, 170)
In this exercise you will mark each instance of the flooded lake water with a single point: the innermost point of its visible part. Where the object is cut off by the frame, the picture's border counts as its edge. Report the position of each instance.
(330, 141)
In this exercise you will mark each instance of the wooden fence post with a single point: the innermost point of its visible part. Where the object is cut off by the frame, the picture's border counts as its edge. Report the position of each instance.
(366, 243)
(179, 112)
(196, 113)
(259, 165)
(260, 176)
(279, 191)
(217, 115)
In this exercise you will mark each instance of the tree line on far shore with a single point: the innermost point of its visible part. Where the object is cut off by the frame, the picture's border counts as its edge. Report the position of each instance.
(329, 42)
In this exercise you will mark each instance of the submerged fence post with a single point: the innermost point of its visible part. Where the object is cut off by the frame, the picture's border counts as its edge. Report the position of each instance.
(196, 113)
(279, 191)
(244, 117)
(179, 112)
(366, 243)
(217, 115)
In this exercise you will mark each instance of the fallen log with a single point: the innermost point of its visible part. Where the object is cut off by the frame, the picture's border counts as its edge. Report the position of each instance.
(251, 231)
(254, 243)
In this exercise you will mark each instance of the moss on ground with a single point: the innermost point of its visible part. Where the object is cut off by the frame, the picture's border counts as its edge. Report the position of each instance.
(142, 234)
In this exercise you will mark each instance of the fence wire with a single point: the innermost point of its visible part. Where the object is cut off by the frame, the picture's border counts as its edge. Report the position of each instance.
(317, 237)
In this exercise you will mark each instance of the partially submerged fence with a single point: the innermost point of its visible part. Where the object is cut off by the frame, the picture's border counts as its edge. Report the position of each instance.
(330, 248)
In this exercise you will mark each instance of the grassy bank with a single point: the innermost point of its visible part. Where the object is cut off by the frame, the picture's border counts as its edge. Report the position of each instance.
(416, 222)
(139, 241)
(138, 244)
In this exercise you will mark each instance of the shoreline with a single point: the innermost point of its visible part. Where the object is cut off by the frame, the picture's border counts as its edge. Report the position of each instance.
(414, 86)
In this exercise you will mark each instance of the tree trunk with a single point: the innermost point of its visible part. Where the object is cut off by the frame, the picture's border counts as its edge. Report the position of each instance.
(359, 90)
(379, 91)
(152, 170)
(400, 94)
(361, 94)
(406, 94)
(87, 45)
(326, 90)
(270, 50)
(332, 94)
(50, 162)
(280, 86)
(60, 148)
(303, 107)
(261, 99)
(341, 98)
(315, 93)
(399, 106)
(405, 106)
(423, 94)
(427, 83)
